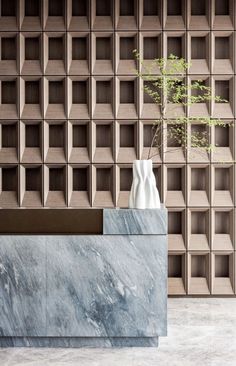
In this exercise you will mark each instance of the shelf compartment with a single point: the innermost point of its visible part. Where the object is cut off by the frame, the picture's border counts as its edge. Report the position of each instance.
(223, 143)
(176, 229)
(103, 185)
(148, 108)
(127, 140)
(31, 186)
(104, 142)
(79, 180)
(102, 98)
(9, 98)
(176, 273)
(223, 17)
(222, 273)
(32, 16)
(127, 102)
(78, 15)
(150, 14)
(147, 131)
(225, 89)
(8, 186)
(199, 229)
(78, 53)
(201, 109)
(198, 154)
(124, 178)
(175, 15)
(127, 17)
(224, 58)
(9, 142)
(8, 54)
(199, 273)
(78, 141)
(32, 51)
(102, 15)
(31, 142)
(199, 185)
(200, 53)
(8, 19)
(103, 60)
(126, 64)
(174, 151)
(222, 227)
(78, 105)
(175, 184)
(55, 45)
(199, 14)
(54, 15)
(55, 185)
(55, 137)
(54, 98)
(151, 49)
(158, 174)
(222, 189)
(32, 105)
(175, 45)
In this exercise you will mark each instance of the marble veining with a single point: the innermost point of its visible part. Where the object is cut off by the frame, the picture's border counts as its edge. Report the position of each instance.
(139, 222)
(22, 286)
(83, 286)
(106, 286)
(201, 331)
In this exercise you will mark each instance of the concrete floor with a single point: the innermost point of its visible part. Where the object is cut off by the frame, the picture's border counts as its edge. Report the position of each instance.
(202, 332)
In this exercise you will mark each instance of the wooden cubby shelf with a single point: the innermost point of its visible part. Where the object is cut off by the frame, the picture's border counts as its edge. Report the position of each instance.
(78, 15)
(175, 186)
(55, 185)
(9, 142)
(222, 273)
(176, 230)
(31, 142)
(199, 233)
(9, 14)
(125, 182)
(9, 186)
(104, 149)
(150, 12)
(199, 186)
(176, 273)
(222, 226)
(31, 180)
(79, 177)
(74, 116)
(55, 142)
(104, 192)
(78, 138)
(8, 58)
(199, 273)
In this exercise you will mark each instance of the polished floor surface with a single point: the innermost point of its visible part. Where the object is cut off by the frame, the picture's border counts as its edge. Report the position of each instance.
(201, 332)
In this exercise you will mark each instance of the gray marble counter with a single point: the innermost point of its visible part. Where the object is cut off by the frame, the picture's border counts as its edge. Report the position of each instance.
(86, 290)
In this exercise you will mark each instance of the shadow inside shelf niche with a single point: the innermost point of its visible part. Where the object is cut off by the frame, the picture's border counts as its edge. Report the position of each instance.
(51, 221)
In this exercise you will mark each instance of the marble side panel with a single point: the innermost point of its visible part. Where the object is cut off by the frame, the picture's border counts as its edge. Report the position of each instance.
(135, 222)
(106, 286)
(77, 342)
(22, 286)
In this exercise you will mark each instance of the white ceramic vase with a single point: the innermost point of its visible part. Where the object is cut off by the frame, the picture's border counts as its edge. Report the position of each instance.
(144, 193)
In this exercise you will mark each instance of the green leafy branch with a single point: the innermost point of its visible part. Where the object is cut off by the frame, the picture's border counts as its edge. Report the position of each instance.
(169, 90)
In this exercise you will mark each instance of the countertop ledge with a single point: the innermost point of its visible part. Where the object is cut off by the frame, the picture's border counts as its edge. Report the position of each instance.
(135, 221)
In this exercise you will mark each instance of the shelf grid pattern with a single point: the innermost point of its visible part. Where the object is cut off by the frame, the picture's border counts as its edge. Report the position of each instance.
(73, 117)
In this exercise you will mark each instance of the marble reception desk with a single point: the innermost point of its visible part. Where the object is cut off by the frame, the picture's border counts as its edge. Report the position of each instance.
(99, 290)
